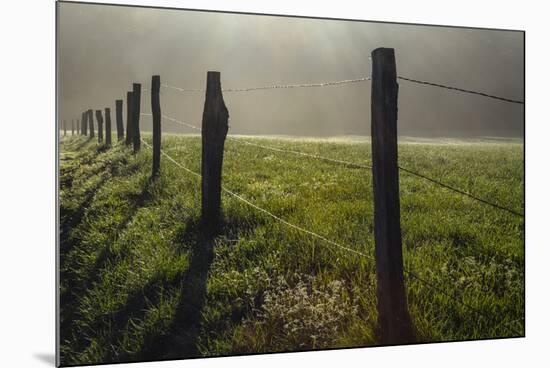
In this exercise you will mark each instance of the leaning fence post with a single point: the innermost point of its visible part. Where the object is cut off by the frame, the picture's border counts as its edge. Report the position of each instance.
(393, 315)
(129, 118)
(136, 102)
(91, 122)
(108, 126)
(214, 131)
(119, 124)
(99, 118)
(155, 110)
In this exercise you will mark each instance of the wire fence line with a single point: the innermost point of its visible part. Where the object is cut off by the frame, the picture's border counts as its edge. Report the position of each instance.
(363, 166)
(446, 186)
(263, 210)
(233, 138)
(274, 86)
(344, 81)
(460, 90)
(412, 274)
(322, 158)
(175, 121)
(360, 166)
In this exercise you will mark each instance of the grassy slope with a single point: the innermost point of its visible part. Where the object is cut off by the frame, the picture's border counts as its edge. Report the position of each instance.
(138, 281)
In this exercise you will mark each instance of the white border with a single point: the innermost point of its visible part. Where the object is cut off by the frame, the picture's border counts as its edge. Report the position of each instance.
(27, 180)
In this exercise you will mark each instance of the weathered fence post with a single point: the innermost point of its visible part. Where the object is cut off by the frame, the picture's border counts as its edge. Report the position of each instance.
(393, 315)
(72, 126)
(64, 127)
(83, 122)
(119, 124)
(136, 102)
(91, 122)
(155, 110)
(99, 118)
(108, 126)
(214, 131)
(129, 118)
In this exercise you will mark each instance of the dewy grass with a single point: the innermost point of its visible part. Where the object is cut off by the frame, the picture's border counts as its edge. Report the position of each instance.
(138, 282)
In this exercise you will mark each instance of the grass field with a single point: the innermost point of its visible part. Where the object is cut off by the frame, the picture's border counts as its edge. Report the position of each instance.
(140, 282)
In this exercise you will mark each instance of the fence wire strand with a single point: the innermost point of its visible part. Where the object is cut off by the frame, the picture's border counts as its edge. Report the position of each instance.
(360, 166)
(244, 200)
(459, 89)
(514, 212)
(274, 86)
(345, 81)
(175, 121)
(322, 158)
(321, 237)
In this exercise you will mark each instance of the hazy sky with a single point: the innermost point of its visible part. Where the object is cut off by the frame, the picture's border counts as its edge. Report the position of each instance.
(103, 49)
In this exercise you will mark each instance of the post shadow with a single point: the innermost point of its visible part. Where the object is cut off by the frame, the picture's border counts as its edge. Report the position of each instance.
(181, 342)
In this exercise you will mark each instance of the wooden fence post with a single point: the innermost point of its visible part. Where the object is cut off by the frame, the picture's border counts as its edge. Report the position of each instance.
(99, 118)
(108, 126)
(155, 110)
(83, 122)
(214, 131)
(129, 118)
(64, 127)
(393, 315)
(72, 126)
(119, 124)
(136, 102)
(91, 122)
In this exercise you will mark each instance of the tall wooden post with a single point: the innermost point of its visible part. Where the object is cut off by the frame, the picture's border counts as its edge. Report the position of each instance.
(108, 126)
(119, 123)
(393, 315)
(155, 110)
(99, 118)
(91, 122)
(214, 131)
(129, 118)
(84, 122)
(136, 102)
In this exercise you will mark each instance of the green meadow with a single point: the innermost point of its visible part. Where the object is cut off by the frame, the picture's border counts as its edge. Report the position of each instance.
(140, 280)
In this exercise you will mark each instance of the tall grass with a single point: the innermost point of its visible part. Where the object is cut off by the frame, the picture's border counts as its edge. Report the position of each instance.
(140, 280)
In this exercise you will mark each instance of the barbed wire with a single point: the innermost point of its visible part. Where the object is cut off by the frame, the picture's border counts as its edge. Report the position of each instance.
(322, 158)
(262, 209)
(181, 89)
(175, 121)
(325, 239)
(361, 166)
(342, 162)
(274, 86)
(446, 186)
(460, 90)
(345, 81)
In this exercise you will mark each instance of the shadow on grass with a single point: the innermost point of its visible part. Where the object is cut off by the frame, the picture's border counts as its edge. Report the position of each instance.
(75, 286)
(180, 340)
(69, 219)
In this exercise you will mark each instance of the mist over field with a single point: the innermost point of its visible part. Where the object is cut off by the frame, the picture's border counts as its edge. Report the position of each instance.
(103, 49)
(296, 231)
